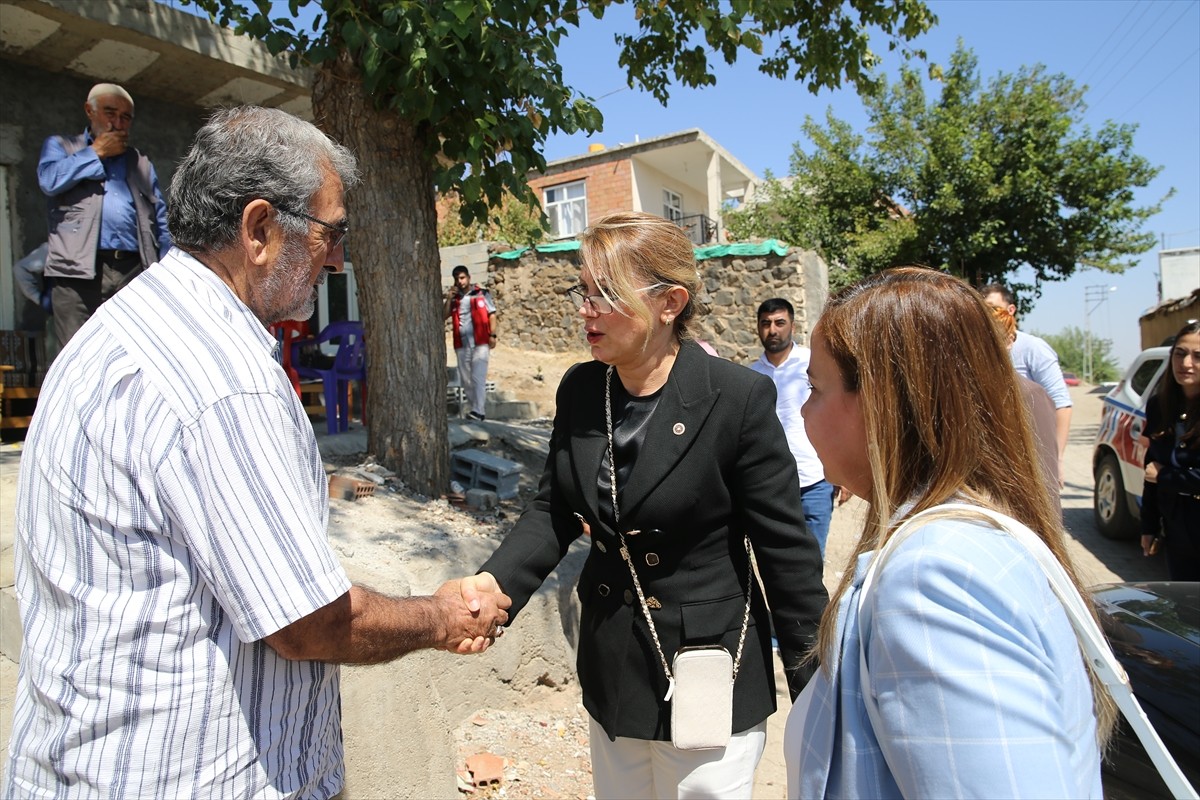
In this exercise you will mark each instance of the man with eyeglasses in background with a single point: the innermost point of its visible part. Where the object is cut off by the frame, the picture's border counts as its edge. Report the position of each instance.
(107, 220)
(472, 314)
(183, 612)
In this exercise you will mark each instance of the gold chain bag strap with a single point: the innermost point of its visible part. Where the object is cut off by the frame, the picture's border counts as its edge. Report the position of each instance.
(700, 687)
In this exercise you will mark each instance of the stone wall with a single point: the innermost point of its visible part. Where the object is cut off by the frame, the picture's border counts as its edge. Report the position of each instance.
(536, 314)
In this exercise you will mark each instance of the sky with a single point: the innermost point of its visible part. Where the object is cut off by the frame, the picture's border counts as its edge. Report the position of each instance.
(1140, 60)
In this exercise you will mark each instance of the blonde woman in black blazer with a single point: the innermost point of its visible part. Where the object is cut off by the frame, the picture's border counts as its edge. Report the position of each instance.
(701, 462)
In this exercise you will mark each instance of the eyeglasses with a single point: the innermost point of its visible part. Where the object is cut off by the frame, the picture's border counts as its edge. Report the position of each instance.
(599, 303)
(339, 231)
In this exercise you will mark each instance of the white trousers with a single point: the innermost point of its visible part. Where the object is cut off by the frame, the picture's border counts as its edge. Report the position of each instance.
(638, 768)
(472, 374)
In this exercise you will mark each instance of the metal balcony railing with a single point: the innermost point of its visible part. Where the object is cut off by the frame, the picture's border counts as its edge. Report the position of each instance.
(700, 229)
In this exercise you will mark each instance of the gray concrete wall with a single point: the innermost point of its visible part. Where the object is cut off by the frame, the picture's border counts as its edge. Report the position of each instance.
(473, 256)
(39, 104)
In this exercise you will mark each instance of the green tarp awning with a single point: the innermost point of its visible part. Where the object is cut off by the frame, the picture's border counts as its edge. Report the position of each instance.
(770, 246)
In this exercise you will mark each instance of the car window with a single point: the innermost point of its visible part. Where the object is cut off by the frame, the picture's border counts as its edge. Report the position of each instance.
(1140, 380)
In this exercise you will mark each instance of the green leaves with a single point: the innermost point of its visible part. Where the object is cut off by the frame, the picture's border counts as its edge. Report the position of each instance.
(1071, 345)
(482, 81)
(977, 181)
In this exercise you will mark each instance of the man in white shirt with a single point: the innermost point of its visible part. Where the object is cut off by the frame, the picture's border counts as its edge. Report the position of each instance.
(183, 612)
(786, 363)
(1035, 359)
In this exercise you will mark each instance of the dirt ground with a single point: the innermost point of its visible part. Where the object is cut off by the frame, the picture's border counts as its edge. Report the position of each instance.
(544, 744)
(529, 374)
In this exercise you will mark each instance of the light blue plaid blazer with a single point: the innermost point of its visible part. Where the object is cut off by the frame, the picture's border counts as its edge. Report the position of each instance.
(981, 687)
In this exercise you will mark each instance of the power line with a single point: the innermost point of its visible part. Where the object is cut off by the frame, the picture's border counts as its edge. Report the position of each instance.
(1147, 52)
(1133, 47)
(1125, 31)
(1098, 50)
(1151, 91)
(614, 91)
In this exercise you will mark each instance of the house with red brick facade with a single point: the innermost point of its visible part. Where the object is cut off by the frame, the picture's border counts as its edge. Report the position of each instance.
(686, 177)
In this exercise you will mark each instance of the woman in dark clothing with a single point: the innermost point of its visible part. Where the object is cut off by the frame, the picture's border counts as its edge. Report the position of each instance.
(700, 465)
(1171, 493)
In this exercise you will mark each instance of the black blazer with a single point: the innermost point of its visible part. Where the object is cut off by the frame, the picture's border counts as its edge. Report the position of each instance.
(714, 465)
(1172, 504)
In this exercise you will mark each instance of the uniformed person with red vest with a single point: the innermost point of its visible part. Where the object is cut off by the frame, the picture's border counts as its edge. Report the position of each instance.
(472, 315)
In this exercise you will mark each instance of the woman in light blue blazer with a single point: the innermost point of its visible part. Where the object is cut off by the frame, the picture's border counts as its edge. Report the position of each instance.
(969, 663)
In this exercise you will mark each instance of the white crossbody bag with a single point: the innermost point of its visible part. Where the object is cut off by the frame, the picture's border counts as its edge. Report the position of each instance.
(699, 679)
(1095, 647)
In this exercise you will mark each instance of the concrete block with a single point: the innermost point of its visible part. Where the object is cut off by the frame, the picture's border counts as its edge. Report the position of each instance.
(479, 470)
(481, 499)
(511, 409)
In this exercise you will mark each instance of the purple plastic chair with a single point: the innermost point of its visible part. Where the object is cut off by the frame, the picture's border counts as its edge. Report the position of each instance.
(350, 364)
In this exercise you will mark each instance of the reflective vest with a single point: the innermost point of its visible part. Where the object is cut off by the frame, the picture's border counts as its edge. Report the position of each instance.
(479, 316)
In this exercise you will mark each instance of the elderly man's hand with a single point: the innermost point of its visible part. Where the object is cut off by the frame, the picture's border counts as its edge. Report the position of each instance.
(475, 613)
(112, 143)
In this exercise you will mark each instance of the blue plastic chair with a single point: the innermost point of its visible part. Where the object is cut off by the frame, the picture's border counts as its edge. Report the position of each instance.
(349, 364)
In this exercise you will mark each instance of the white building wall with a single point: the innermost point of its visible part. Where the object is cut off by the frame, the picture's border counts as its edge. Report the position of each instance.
(1179, 272)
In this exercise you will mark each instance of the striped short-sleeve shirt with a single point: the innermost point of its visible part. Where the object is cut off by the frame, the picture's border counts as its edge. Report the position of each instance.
(171, 512)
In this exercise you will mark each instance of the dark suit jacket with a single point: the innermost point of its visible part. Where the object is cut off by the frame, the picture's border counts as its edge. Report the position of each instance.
(714, 465)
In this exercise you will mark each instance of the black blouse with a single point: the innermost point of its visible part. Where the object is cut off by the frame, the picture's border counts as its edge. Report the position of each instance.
(631, 419)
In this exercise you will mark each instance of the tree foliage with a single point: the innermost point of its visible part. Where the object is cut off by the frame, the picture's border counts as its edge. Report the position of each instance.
(466, 91)
(482, 77)
(512, 222)
(979, 181)
(1071, 346)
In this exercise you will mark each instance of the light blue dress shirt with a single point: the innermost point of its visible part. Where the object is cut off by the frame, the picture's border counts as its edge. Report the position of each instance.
(980, 684)
(1035, 359)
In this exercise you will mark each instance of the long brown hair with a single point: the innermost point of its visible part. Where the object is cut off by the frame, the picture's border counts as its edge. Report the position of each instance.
(1172, 404)
(943, 412)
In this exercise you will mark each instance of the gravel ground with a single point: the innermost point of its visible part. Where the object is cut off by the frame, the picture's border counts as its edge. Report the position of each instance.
(544, 747)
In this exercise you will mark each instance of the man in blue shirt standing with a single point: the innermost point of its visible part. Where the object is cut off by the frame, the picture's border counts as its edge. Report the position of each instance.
(107, 219)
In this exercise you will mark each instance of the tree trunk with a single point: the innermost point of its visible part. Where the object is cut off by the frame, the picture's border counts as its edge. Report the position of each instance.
(393, 246)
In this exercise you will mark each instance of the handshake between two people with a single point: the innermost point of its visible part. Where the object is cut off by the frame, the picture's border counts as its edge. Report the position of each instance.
(478, 612)
(366, 627)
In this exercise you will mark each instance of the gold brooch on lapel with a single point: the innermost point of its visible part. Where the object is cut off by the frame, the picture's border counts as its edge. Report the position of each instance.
(678, 429)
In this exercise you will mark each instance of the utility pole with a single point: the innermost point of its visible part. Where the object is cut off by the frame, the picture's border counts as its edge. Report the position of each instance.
(1093, 297)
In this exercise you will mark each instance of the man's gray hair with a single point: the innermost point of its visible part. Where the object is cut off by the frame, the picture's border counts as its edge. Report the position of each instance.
(107, 90)
(244, 154)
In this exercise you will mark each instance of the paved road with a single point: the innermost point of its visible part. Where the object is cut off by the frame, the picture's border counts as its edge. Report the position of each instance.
(1099, 560)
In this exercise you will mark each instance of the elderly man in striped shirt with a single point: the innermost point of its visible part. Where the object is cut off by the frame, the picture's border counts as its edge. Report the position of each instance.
(182, 610)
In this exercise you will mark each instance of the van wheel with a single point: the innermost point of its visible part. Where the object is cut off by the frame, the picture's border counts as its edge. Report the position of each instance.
(1110, 505)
